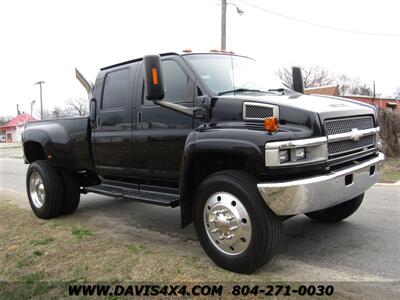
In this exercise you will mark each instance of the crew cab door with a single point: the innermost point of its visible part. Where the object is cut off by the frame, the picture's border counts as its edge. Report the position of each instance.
(161, 133)
(112, 134)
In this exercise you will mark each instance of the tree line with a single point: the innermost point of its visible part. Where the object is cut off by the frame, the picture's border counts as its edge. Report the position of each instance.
(317, 76)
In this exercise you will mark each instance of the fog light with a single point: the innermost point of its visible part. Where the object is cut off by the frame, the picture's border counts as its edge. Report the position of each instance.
(300, 153)
(283, 156)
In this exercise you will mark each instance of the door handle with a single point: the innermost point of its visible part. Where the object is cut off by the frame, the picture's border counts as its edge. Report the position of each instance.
(139, 117)
(98, 121)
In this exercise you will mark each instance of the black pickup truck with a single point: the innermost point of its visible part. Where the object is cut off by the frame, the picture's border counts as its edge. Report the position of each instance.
(203, 131)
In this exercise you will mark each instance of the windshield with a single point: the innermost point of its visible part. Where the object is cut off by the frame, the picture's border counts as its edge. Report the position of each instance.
(226, 73)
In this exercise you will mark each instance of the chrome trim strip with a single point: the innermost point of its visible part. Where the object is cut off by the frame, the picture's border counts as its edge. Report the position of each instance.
(351, 135)
(275, 110)
(353, 150)
(296, 143)
(319, 192)
(353, 156)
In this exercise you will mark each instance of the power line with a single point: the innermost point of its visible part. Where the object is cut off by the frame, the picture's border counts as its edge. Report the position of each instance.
(320, 25)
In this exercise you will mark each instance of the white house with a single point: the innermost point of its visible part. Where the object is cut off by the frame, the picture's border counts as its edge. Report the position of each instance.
(15, 127)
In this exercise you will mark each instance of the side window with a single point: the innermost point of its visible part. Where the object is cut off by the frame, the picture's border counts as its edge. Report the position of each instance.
(178, 86)
(115, 90)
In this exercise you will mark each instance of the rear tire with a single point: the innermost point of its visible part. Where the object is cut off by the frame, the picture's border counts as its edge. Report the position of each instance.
(72, 194)
(228, 203)
(45, 190)
(337, 213)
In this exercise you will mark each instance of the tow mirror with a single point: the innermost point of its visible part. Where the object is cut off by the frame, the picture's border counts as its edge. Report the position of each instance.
(153, 77)
(92, 111)
(297, 77)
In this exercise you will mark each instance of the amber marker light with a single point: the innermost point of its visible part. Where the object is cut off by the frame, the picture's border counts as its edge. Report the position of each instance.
(154, 72)
(271, 124)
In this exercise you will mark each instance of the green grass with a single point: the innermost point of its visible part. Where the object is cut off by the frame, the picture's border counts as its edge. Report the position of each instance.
(391, 170)
(133, 248)
(33, 277)
(42, 242)
(23, 262)
(81, 232)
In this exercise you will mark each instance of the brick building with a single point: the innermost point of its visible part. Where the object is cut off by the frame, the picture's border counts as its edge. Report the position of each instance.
(333, 90)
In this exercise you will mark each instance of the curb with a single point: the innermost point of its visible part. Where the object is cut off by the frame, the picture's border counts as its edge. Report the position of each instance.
(394, 184)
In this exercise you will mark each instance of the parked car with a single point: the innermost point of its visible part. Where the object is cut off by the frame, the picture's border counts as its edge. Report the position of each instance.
(203, 132)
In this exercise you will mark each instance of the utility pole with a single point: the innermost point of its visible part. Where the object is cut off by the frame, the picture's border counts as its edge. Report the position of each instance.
(32, 103)
(224, 4)
(41, 101)
(374, 90)
(223, 24)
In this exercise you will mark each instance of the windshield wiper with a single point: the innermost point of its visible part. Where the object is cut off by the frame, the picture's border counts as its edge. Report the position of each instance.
(238, 90)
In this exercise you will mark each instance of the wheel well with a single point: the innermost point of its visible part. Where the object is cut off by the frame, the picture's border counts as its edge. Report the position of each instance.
(33, 151)
(202, 166)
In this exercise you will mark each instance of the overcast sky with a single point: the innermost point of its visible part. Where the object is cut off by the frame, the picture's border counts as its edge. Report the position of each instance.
(45, 40)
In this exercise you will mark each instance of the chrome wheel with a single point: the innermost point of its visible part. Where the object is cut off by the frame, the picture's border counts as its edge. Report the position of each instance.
(37, 190)
(227, 223)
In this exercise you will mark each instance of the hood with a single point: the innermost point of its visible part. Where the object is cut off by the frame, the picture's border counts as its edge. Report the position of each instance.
(325, 106)
(304, 110)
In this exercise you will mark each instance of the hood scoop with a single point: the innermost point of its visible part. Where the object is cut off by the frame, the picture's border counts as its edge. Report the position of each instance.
(259, 111)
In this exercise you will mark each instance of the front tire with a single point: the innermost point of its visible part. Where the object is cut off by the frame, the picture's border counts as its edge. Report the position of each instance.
(338, 212)
(44, 189)
(234, 225)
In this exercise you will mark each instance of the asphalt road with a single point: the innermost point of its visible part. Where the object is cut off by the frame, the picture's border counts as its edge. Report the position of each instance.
(367, 242)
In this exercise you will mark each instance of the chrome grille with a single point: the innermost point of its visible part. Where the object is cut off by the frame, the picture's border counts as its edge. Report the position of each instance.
(258, 111)
(336, 148)
(348, 145)
(346, 125)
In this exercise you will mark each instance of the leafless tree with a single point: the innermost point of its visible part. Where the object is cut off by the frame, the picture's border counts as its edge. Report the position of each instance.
(397, 93)
(76, 107)
(5, 119)
(58, 112)
(313, 76)
(352, 86)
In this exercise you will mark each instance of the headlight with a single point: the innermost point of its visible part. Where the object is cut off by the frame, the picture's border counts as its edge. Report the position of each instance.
(300, 153)
(283, 156)
(296, 152)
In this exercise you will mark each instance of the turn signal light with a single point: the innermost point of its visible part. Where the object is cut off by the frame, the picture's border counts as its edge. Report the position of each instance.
(155, 75)
(271, 124)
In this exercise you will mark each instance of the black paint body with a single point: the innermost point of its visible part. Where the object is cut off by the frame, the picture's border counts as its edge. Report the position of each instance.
(140, 142)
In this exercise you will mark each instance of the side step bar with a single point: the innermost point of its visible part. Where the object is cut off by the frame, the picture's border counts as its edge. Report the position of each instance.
(151, 197)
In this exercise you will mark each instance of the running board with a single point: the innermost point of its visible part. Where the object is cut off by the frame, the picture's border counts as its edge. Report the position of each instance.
(151, 197)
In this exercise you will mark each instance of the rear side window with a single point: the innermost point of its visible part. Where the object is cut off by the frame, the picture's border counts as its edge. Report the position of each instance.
(115, 91)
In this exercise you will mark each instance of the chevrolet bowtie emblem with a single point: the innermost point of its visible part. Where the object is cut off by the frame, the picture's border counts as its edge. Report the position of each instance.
(355, 134)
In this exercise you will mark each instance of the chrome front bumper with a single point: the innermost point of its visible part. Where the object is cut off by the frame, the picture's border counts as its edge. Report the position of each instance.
(314, 193)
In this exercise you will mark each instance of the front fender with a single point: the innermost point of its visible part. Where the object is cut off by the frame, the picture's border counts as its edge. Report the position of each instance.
(216, 141)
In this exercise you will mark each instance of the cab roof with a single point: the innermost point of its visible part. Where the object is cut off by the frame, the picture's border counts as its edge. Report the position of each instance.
(182, 53)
